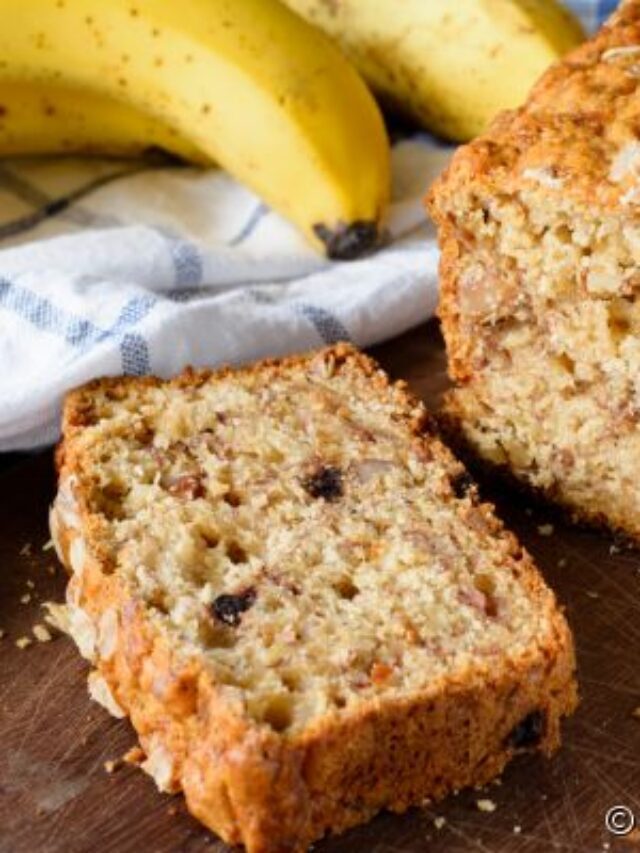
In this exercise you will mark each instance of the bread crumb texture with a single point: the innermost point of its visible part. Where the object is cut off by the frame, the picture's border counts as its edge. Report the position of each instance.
(41, 633)
(539, 226)
(286, 581)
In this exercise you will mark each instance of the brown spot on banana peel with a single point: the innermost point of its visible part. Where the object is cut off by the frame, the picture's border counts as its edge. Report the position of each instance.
(346, 242)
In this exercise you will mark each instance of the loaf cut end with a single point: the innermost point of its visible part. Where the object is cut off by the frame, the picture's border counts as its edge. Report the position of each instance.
(539, 226)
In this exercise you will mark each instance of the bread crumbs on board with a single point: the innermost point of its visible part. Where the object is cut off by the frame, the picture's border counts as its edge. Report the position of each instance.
(42, 633)
(135, 755)
(56, 616)
(486, 805)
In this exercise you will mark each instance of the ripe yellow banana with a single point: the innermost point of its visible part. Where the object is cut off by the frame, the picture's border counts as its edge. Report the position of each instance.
(56, 119)
(450, 64)
(247, 82)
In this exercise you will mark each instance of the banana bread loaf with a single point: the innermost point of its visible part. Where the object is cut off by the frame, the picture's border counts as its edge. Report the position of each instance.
(291, 588)
(539, 226)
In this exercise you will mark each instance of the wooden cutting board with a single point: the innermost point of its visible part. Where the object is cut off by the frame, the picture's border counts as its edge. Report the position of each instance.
(56, 796)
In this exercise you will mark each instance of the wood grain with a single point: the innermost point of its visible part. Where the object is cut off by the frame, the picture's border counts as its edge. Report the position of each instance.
(56, 797)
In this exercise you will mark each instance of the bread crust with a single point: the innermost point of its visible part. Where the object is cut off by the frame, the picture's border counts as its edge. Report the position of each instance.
(275, 792)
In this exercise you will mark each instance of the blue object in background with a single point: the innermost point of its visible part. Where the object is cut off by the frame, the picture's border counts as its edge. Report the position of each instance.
(592, 13)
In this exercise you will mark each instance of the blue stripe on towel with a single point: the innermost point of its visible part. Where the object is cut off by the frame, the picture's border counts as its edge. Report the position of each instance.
(134, 311)
(259, 212)
(44, 315)
(327, 325)
(604, 9)
(28, 192)
(134, 351)
(186, 258)
(80, 333)
(46, 207)
(135, 355)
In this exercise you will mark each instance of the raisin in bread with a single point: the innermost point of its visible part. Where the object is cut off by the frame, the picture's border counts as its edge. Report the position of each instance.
(539, 225)
(292, 590)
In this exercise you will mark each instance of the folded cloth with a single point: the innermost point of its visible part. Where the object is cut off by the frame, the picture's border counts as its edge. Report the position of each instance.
(110, 268)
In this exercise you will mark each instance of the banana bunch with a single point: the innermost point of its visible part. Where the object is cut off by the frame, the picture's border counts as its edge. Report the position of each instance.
(451, 65)
(253, 87)
(246, 84)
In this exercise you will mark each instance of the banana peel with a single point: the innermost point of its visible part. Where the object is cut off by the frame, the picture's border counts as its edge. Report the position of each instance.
(450, 65)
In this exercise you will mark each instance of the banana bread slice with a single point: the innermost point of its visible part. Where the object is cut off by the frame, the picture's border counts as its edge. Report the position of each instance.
(539, 226)
(291, 588)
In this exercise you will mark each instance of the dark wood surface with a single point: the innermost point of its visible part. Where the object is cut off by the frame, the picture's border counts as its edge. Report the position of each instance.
(56, 796)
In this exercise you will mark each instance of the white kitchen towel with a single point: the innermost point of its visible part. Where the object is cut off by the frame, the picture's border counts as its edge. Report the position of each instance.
(110, 268)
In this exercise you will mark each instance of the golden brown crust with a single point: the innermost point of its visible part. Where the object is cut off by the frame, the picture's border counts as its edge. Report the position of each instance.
(275, 792)
(578, 118)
